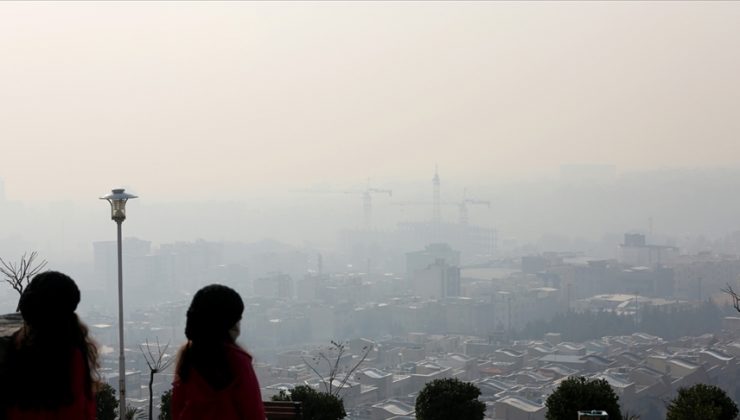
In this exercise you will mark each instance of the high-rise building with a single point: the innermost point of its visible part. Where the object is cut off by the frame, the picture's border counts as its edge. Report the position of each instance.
(422, 259)
(636, 252)
(437, 281)
(105, 262)
(276, 286)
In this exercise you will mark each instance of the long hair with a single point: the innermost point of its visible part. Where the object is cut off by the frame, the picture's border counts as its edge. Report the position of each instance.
(41, 369)
(215, 309)
(40, 361)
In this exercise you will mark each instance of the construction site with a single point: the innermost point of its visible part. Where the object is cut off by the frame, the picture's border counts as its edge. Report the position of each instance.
(373, 249)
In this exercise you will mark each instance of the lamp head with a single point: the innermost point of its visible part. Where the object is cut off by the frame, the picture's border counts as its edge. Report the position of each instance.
(117, 199)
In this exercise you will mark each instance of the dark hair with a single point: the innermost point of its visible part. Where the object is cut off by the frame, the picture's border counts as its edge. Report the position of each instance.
(215, 309)
(46, 343)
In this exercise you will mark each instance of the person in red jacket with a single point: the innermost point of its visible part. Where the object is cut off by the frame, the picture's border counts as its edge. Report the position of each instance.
(52, 363)
(214, 378)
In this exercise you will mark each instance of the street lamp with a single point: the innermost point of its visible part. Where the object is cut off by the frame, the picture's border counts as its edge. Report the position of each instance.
(117, 199)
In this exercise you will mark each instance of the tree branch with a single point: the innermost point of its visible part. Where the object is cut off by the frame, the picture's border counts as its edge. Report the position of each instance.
(156, 364)
(735, 298)
(19, 276)
(366, 350)
(333, 365)
(310, 366)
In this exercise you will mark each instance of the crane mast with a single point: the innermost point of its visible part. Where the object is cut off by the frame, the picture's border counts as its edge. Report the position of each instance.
(436, 203)
(463, 205)
(367, 204)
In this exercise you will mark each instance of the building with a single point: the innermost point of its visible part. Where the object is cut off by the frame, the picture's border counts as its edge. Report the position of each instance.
(636, 252)
(105, 263)
(430, 255)
(276, 286)
(437, 281)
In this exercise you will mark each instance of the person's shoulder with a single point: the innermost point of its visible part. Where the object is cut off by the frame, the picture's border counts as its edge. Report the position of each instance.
(77, 358)
(239, 353)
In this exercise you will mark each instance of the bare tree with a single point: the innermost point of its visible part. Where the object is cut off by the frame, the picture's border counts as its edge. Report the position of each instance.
(335, 351)
(19, 275)
(735, 298)
(156, 364)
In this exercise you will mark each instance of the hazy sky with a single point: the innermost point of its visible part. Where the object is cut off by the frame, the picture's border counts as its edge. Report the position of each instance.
(208, 100)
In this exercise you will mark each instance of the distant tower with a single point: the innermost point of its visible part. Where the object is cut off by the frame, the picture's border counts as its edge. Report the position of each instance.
(436, 201)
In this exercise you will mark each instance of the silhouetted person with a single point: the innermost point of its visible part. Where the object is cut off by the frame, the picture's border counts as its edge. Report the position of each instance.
(52, 363)
(214, 377)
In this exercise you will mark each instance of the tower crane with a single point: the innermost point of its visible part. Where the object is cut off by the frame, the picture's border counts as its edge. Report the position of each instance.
(463, 206)
(367, 202)
(367, 206)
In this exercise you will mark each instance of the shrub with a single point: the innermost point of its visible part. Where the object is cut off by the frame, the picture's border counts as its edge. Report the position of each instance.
(443, 399)
(316, 405)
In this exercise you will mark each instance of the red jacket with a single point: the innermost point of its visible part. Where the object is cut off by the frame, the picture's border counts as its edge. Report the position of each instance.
(82, 408)
(195, 399)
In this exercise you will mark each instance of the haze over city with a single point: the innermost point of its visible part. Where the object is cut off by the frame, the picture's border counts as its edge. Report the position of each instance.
(241, 102)
(303, 139)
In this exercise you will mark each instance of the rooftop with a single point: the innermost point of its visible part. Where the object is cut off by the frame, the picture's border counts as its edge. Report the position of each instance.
(376, 373)
(522, 404)
(395, 407)
(616, 381)
(563, 358)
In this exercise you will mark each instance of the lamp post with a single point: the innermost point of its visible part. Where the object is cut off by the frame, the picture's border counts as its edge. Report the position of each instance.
(117, 199)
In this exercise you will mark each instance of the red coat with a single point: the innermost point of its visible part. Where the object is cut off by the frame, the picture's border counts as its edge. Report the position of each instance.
(195, 399)
(82, 408)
